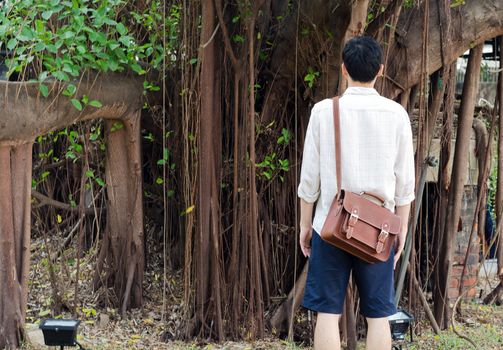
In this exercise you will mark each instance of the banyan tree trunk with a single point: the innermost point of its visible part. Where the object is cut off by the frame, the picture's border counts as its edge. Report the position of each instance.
(26, 115)
(472, 24)
(499, 194)
(497, 292)
(15, 190)
(121, 260)
(470, 87)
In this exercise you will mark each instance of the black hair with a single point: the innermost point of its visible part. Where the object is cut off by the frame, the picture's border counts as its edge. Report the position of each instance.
(362, 57)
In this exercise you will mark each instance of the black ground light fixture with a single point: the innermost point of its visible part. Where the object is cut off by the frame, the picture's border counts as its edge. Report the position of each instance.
(59, 332)
(400, 323)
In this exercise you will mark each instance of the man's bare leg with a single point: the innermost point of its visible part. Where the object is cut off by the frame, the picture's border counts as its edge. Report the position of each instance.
(326, 333)
(378, 334)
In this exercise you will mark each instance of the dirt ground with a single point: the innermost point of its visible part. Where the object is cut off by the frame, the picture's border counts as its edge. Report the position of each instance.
(150, 328)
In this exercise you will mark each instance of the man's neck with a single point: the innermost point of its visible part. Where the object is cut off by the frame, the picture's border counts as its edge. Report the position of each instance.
(359, 84)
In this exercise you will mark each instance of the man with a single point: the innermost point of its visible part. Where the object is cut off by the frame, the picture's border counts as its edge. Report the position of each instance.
(376, 157)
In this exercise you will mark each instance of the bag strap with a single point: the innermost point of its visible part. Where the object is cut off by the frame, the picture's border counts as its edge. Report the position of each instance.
(338, 167)
(337, 134)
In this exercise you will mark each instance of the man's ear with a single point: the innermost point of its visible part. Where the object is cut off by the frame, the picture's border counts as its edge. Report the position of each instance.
(345, 73)
(381, 71)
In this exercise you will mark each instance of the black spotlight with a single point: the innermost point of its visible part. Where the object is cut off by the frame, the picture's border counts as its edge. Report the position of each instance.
(400, 323)
(59, 332)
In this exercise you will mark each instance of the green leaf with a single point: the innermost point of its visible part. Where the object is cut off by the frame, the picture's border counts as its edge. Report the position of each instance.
(100, 181)
(44, 313)
(70, 90)
(44, 90)
(47, 14)
(3, 29)
(117, 126)
(60, 75)
(238, 38)
(70, 155)
(52, 48)
(121, 29)
(39, 47)
(11, 44)
(90, 174)
(137, 68)
(95, 103)
(39, 25)
(42, 76)
(67, 35)
(26, 34)
(76, 103)
(159, 181)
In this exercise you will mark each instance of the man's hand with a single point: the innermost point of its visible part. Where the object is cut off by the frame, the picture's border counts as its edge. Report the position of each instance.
(400, 243)
(403, 213)
(305, 240)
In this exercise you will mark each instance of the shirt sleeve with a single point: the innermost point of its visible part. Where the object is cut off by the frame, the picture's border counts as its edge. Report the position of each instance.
(309, 187)
(404, 166)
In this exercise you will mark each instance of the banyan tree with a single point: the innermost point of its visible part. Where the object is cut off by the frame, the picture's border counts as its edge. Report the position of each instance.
(237, 80)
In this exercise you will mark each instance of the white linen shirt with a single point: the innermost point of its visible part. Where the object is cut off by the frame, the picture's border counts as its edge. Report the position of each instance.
(376, 151)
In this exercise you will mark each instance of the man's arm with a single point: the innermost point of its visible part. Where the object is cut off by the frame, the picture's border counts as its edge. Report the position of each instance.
(306, 226)
(309, 187)
(403, 212)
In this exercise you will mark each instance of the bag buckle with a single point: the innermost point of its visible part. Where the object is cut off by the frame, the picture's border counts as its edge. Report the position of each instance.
(353, 218)
(383, 235)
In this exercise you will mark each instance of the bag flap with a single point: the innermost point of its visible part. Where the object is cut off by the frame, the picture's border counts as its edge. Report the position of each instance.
(370, 212)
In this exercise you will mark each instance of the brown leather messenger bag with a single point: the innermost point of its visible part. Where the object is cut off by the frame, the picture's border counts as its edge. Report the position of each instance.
(354, 223)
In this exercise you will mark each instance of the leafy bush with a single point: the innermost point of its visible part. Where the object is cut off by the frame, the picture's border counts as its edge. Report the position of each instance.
(59, 40)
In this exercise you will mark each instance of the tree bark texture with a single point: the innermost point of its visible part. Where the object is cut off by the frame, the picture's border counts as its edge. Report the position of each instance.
(499, 192)
(456, 190)
(444, 181)
(15, 187)
(483, 152)
(472, 23)
(208, 270)
(121, 259)
(355, 28)
(26, 114)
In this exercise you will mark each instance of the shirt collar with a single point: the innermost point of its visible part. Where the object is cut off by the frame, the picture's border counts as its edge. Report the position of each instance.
(359, 90)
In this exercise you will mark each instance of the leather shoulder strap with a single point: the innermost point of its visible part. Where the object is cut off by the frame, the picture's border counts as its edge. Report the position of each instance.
(337, 134)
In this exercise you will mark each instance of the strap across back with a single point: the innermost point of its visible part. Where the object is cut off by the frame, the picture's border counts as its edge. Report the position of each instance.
(337, 133)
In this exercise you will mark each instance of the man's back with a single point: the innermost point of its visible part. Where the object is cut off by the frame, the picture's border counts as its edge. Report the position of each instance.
(376, 146)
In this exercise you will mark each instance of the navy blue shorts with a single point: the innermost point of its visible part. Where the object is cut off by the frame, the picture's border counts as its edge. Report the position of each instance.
(328, 277)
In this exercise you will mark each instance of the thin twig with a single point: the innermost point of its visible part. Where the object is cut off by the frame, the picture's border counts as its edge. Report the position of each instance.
(453, 322)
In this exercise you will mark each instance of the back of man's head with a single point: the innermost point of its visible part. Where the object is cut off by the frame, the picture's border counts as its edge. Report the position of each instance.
(362, 57)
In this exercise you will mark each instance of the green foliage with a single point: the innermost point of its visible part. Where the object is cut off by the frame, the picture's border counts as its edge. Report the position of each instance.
(456, 3)
(68, 144)
(285, 137)
(491, 191)
(59, 40)
(311, 76)
(273, 165)
(238, 38)
(408, 4)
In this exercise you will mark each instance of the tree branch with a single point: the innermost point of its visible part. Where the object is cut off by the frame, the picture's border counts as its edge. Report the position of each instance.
(380, 21)
(44, 200)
